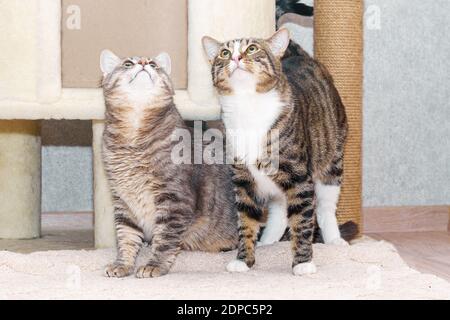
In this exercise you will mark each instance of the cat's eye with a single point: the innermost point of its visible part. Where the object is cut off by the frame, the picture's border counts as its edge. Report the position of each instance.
(152, 64)
(252, 49)
(225, 54)
(128, 64)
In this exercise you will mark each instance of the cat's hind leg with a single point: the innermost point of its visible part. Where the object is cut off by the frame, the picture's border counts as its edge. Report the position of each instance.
(129, 241)
(327, 190)
(277, 222)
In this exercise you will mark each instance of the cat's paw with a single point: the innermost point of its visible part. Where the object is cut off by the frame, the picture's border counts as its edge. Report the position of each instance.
(304, 269)
(237, 266)
(115, 270)
(149, 271)
(338, 242)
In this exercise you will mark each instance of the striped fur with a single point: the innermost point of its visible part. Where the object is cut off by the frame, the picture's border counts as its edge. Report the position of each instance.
(312, 127)
(170, 206)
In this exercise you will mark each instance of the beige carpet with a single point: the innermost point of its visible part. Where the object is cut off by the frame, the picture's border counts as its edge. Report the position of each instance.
(366, 270)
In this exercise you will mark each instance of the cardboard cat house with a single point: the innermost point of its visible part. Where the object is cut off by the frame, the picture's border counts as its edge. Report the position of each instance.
(49, 59)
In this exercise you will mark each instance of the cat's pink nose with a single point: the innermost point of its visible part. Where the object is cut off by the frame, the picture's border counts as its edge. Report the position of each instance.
(237, 58)
(143, 61)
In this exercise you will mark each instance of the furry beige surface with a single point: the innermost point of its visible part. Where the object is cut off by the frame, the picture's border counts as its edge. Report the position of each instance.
(366, 270)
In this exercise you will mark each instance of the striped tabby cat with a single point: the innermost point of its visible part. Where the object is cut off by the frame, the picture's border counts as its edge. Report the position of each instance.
(170, 206)
(302, 105)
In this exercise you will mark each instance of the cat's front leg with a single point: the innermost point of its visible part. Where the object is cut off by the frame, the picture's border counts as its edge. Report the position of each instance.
(250, 215)
(301, 222)
(129, 241)
(167, 233)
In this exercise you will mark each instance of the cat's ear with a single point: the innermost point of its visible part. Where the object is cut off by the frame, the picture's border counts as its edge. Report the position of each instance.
(211, 47)
(279, 42)
(163, 60)
(108, 61)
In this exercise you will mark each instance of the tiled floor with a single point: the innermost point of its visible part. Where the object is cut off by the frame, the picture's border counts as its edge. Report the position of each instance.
(425, 251)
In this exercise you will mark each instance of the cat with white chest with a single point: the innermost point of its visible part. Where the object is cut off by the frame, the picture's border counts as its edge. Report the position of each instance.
(286, 110)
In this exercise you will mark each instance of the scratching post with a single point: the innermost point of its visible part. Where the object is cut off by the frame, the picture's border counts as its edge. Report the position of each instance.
(20, 179)
(338, 43)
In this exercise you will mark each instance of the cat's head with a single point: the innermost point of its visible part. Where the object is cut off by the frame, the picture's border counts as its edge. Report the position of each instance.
(136, 80)
(243, 65)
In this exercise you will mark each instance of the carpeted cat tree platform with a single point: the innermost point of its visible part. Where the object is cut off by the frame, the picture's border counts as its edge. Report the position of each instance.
(31, 89)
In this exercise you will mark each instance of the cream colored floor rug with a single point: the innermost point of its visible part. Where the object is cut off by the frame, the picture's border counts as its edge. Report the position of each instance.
(367, 269)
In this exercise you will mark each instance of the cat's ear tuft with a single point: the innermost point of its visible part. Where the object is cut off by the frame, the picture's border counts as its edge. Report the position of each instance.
(279, 42)
(211, 47)
(163, 60)
(108, 61)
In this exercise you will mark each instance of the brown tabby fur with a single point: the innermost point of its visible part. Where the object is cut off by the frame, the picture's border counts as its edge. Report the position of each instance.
(170, 206)
(312, 130)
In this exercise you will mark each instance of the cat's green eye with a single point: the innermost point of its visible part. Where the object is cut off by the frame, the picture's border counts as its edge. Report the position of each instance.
(128, 64)
(225, 54)
(252, 49)
(152, 64)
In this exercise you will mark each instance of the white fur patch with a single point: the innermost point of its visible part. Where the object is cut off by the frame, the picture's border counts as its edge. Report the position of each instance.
(248, 116)
(304, 269)
(327, 198)
(276, 223)
(236, 49)
(237, 266)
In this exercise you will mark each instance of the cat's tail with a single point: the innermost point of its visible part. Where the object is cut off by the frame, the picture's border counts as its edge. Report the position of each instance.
(349, 230)
(292, 6)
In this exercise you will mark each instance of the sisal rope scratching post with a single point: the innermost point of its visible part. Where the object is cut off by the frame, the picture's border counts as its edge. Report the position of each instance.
(338, 44)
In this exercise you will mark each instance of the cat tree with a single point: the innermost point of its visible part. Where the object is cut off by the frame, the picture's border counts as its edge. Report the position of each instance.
(30, 90)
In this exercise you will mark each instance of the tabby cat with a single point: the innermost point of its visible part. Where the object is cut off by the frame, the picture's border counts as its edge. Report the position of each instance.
(170, 206)
(303, 107)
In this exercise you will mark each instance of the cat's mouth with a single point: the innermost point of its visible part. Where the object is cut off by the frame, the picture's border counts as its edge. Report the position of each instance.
(238, 67)
(239, 70)
(139, 72)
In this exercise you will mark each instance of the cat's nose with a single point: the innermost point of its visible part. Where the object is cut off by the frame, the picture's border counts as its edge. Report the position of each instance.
(143, 62)
(237, 58)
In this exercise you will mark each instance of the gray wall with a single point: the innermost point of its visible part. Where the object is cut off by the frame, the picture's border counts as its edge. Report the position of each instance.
(406, 115)
(407, 104)
(66, 166)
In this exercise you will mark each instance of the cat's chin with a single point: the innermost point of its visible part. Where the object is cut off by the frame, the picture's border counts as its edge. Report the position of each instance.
(239, 72)
(242, 81)
(142, 79)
